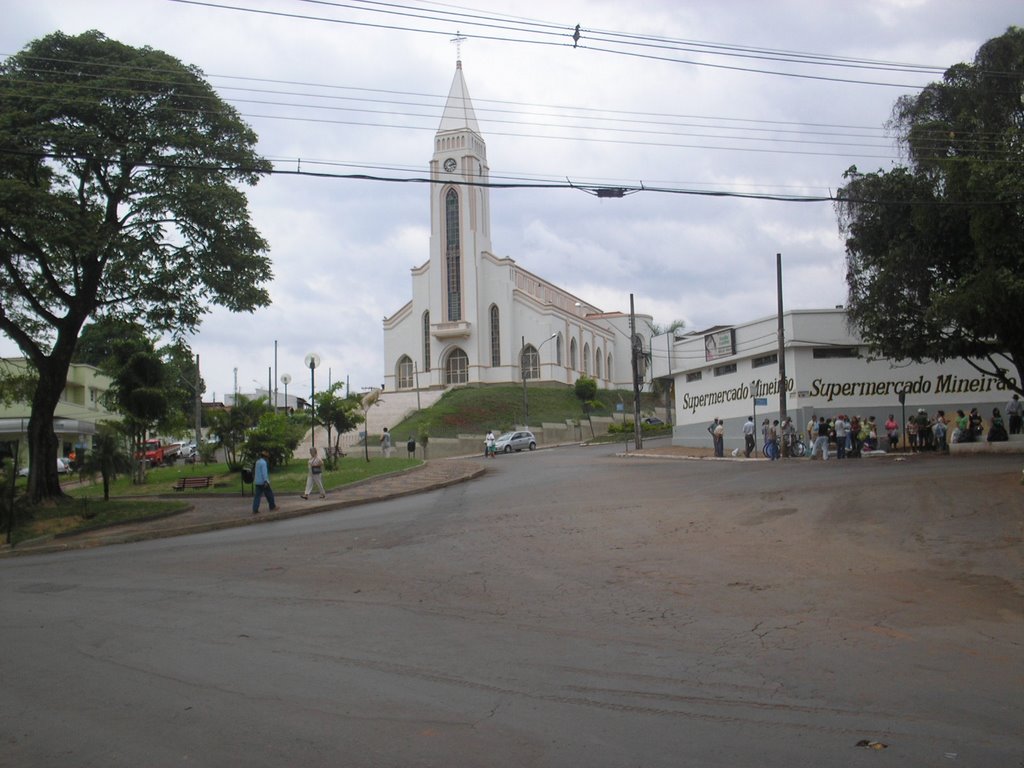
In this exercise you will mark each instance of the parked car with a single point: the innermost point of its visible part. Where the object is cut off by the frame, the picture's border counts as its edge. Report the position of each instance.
(515, 441)
(63, 468)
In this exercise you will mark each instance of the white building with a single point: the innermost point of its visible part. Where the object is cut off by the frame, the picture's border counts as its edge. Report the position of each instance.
(476, 317)
(718, 373)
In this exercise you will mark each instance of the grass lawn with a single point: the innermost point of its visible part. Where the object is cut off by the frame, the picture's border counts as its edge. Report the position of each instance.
(288, 479)
(77, 515)
(86, 508)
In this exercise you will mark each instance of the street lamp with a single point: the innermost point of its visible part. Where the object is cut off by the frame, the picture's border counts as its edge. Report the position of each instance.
(312, 361)
(522, 371)
(286, 379)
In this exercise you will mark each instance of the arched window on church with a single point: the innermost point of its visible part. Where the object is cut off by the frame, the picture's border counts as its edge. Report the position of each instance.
(426, 341)
(609, 368)
(453, 255)
(597, 364)
(530, 363)
(495, 337)
(558, 349)
(586, 359)
(572, 354)
(456, 367)
(404, 373)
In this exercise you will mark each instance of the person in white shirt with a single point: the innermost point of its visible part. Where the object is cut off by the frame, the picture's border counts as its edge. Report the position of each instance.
(748, 437)
(841, 427)
(1014, 410)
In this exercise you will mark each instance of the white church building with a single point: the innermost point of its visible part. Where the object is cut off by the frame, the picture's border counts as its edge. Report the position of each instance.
(479, 318)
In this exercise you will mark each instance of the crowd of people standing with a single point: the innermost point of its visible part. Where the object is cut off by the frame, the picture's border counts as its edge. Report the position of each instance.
(850, 436)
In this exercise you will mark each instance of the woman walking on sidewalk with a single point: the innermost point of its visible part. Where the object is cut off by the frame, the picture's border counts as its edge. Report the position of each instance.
(315, 475)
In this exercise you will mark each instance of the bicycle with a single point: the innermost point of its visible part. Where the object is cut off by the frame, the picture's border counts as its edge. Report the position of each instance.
(797, 447)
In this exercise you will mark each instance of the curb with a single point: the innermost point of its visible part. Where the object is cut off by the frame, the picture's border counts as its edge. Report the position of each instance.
(236, 522)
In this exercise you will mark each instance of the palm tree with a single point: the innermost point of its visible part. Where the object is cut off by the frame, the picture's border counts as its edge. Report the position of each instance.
(107, 456)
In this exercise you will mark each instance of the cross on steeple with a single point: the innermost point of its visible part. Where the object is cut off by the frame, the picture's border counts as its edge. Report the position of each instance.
(459, 39)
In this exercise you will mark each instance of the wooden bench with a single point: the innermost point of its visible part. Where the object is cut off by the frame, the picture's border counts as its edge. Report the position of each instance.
(192, 483)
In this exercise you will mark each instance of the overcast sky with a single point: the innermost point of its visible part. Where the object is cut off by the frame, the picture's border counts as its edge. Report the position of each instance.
(774, 98)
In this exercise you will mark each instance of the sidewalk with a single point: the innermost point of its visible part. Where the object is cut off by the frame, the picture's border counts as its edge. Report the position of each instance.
(213, 512)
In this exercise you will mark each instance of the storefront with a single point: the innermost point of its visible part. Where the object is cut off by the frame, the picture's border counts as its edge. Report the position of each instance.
(732, 372)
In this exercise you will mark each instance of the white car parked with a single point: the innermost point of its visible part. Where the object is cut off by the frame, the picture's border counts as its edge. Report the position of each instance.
(515, 441)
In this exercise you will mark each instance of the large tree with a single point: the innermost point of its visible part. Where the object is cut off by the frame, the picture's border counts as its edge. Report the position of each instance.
(119, 174)
(935, 250)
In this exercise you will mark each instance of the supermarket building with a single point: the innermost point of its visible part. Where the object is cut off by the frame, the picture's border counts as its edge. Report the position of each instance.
(732, 372)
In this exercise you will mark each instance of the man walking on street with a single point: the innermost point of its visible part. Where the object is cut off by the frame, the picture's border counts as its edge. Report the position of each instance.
(261, 484)
(750, 442)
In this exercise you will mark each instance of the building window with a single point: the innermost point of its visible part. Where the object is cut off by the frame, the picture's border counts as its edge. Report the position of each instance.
(586, 359)
(456, 368)
(572, 354)
(495, 337)
(530, 363)
(404, 373)
(724, 370)
(426, 340)
(453, 256)
(558, 349)
(761, 362)
(826, 353)
(597, 363)
(695, 376)
(609, 368)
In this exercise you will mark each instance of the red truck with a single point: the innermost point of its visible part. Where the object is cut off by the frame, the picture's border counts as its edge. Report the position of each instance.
(157, 453)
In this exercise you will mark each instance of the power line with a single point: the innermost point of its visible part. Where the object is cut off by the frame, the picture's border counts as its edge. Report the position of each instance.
(562, 37)
(568, 184)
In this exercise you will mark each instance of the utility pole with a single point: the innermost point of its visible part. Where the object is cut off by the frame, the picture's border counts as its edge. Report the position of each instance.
(635, 345)
(199, 409)
(782, 341)
(522, 372)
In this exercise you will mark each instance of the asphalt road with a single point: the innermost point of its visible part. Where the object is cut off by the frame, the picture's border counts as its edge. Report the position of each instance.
(570, 608)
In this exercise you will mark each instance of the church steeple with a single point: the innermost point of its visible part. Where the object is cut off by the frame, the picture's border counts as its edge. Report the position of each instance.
(458, 110)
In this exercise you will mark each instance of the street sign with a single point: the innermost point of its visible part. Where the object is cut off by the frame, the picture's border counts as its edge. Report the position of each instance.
(760, 401)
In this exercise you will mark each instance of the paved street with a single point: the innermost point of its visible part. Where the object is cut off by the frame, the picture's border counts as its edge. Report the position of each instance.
(568, 608)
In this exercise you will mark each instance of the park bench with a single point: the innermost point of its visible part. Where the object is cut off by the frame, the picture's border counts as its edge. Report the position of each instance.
(192, 483)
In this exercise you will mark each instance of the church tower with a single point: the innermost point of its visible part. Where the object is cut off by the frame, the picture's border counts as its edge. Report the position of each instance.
(460, 216)
(460, 222)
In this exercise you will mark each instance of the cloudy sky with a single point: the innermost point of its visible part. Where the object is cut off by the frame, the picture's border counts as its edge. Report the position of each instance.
(742, 99)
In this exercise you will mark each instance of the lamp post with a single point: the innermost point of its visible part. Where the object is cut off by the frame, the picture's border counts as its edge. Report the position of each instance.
(312, 361)
(286, 379)
(522, 371)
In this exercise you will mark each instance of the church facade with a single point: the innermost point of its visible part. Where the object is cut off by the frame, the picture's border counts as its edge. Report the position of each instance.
(479, 318)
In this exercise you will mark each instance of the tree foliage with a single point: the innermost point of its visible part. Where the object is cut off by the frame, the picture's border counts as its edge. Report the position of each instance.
(338, 415)
(108, 342)
(276, 433)
(231, 425)
(138, 394)
(935, 250)
(118, 198)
